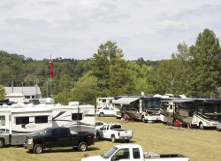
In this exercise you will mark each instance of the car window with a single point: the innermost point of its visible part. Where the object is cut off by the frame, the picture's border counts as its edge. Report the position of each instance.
(105, 108)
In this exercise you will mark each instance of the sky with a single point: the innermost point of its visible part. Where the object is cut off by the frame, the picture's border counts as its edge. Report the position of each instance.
(150, 29)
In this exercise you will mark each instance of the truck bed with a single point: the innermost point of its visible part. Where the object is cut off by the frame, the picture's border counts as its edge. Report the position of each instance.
(152, 155)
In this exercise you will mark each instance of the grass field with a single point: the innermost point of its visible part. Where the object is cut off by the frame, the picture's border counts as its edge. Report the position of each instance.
(198, 145)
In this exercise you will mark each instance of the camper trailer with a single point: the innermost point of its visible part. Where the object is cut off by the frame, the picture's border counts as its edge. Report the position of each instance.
(18, 121)
(104, 102)
(200, 112)
(145, 108)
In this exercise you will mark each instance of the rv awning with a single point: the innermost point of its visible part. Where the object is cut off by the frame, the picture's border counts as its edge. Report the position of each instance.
(126, 101)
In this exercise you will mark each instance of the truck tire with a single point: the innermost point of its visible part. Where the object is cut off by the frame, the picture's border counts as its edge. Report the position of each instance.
(98, 137)
(113, 139)
(101, 114)
(82, 146)
(38, 149)
(2, 143)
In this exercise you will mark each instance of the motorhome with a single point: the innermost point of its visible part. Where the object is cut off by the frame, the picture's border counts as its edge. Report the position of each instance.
(145, 108)
(165, 104)
(200, 112)
(18, 121)
(104, 102)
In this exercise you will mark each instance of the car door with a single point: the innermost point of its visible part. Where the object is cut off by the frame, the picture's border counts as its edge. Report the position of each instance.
(64, 137)
(103, 131)
(53, 138)
(107, 132)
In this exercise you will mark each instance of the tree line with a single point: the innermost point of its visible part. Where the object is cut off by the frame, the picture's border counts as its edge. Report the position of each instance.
(193, 71)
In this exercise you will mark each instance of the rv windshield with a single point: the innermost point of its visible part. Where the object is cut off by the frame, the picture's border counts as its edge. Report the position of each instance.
(211, 108)
(110, 152)
(154, 104)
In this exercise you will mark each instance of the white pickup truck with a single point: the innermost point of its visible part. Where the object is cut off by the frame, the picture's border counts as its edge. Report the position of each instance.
(114, 132)
(126, 152)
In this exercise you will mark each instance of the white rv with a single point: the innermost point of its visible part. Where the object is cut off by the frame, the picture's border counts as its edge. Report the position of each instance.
(104, 102)
(145, 108)
(16, 123)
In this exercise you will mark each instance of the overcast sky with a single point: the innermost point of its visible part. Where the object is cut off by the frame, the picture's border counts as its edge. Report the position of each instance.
(150, 29)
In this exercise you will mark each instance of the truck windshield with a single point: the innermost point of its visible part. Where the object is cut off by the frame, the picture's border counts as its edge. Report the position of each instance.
(152, 104)
(110, 152)
(43, 132)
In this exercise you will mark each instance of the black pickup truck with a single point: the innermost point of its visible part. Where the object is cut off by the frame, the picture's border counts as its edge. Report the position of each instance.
(58, 138)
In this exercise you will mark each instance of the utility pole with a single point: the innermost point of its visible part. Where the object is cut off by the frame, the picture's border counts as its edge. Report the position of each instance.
(36, 88)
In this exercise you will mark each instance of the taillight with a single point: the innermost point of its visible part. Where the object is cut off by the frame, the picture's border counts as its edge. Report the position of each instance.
(119, 134)
(97, 110)
(90, 137)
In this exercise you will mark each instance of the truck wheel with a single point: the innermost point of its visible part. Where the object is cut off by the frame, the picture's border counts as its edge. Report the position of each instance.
(201, 125)
(143, 119)
(101, 114)
(113, 139)
(98, 137)
(2, 143)
(82, 146)
(38, 149)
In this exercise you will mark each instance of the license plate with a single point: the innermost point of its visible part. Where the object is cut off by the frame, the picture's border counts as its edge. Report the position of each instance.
(126, 138)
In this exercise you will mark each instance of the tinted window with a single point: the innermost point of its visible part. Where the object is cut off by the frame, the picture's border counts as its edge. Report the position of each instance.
(64, 131)
(41, 119)
(54, 132)
(136, 153)
(22, 120)
(122, 154)
(105, 108)
(76, 116)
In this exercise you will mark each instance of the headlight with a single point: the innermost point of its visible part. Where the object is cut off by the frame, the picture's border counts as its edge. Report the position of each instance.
(30, 141)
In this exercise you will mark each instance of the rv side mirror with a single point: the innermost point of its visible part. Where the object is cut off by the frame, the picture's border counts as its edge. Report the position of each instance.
(101, 128)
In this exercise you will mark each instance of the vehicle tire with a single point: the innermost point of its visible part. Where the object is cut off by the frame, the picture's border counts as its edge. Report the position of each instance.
(201, 125)
(2, 143)
(143, 119)
(82, 146)
(98, 137)
(101, 114)
(113, 139)
(38, 149)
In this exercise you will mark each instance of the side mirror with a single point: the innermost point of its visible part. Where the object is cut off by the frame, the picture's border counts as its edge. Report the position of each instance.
(101, 128)
(113, 158)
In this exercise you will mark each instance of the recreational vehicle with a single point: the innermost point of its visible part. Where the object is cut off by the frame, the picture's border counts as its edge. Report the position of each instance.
(200, 112)
(16, 123)
(143, 108)
(104, 102)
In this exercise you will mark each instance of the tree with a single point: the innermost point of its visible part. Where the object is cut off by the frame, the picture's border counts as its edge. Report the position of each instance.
(30, 80)
(85, 90)
(2, 92)
(101, 61)
(205, 64)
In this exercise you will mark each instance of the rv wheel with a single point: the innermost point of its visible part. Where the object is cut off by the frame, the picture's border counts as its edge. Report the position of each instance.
(101, 114)
(201, 125)
(2, 143)
(38, 148)
(143, 119)
(82, 146)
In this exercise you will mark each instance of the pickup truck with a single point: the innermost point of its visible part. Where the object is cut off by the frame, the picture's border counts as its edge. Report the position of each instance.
(58, 138)
(134, 152)
(114, 132)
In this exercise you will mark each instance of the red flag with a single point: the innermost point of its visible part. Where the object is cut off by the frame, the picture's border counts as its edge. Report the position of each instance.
(50, 68)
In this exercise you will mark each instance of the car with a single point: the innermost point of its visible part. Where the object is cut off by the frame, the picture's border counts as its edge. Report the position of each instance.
(105, 111)
(98, 125)
(218, 126)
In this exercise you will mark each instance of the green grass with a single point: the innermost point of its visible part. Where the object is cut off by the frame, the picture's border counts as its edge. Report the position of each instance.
(198, 145)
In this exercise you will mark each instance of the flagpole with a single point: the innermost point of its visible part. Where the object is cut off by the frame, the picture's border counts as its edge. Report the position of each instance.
(51, 74)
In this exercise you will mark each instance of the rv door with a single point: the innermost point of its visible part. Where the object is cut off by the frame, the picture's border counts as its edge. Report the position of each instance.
(170, 108)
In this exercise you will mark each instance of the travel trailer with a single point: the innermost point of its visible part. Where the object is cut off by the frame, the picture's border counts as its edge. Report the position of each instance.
(18, 121)
(200, 112)
(104, 102)
(145, 108)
